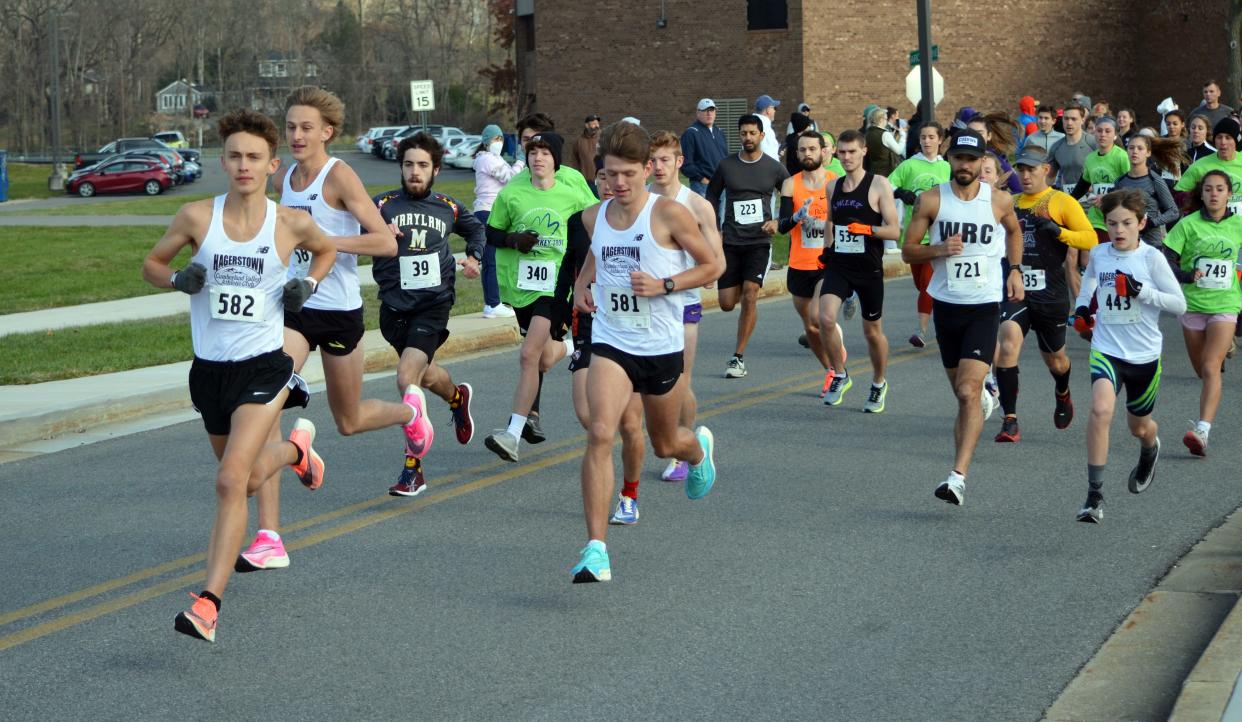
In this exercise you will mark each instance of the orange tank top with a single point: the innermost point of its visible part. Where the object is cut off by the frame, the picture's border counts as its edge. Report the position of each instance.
(805, 245)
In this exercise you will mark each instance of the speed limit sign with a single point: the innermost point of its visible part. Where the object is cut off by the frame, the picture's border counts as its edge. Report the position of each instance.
(422, 95)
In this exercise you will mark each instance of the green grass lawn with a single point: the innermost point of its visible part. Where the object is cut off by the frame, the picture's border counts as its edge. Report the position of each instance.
(27, 180)
(32, 358)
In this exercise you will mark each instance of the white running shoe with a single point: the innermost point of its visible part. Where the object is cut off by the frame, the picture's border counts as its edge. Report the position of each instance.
(987, 403)
(952, 490)
(501, 311)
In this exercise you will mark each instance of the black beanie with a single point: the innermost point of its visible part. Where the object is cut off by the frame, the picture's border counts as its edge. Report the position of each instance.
(555, 144)
(1229, 127)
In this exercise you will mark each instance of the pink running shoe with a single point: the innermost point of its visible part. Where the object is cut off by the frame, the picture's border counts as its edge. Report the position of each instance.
(419, 433)
(265, 552)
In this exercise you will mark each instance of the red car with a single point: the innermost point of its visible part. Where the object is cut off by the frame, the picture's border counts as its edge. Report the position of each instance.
(120, 176)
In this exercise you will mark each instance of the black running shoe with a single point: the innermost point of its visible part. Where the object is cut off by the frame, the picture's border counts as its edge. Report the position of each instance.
(1145, 471)
(532, 433)
(1064, 413)
(1009, 433)
(1093, 511)
(803, 342)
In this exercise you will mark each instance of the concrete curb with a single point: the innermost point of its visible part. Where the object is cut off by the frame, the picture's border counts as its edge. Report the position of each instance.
(40, 412)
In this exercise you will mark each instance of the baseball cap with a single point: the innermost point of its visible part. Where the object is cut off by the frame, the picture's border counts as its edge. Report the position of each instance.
(763, 102)
(968, 142)
(804, 108)
(706, 103)
(591, 117)
(1031, 157)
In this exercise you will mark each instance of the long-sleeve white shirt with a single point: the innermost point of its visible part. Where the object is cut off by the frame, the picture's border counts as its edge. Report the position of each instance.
(1129, 328)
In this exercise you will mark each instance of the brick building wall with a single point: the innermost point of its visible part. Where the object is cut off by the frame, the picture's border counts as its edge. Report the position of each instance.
(608, 56)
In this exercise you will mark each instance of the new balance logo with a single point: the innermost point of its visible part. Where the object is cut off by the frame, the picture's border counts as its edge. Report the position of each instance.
(313, 196)
(264, 249)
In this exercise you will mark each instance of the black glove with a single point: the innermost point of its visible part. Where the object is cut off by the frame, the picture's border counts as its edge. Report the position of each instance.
(1083, 323)
(1048, 226)
(523, 241)
(296, 293)
(905, 196)
(190, 279)
(1130, 287)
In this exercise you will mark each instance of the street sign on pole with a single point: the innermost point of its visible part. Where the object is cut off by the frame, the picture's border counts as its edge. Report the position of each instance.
(915, 57)
(927, 110)
(422, 96)
(914, 86)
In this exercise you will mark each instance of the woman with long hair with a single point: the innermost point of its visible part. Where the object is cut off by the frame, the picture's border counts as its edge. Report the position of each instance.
(1198, 144)
(920, 172)
(997, 130)
(1144, 153)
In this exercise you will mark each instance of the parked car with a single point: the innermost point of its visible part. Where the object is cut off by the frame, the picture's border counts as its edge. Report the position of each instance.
(172, 160)
(193, 171)
(461, 152)
(83, 160)
(365, 140)
(120, 176)
(442, 133)
(172, 138)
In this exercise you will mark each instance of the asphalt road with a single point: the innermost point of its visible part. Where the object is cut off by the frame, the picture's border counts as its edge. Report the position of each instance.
(819, 580)
(369, 169)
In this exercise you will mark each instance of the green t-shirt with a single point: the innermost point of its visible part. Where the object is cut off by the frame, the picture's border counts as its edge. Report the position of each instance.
(1102, 172)
(919, 174)
(1212, 247)
(834, 166)
(1199, 168)
(520, 206)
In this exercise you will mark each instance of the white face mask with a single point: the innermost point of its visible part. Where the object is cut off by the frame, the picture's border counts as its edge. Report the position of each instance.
(496, 146)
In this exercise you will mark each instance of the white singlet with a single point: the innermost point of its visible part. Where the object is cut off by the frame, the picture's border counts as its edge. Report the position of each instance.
(974, 276)
(339, 289)
(240, 312)
(693, 295)
(637, 325)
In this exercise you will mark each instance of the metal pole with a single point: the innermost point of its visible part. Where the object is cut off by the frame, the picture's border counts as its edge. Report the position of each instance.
(53, 180)
(927, 104)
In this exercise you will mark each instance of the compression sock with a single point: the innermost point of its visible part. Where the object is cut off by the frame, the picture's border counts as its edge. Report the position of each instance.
(534, 407)
(1095, 477)
(1007, 385)
(1062, 382)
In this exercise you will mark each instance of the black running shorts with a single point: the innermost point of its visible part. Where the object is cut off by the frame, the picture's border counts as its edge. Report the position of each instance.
(965, 331)
(745, 263)
(650, 375)
(334, 332)
(425, 329)
(870, 291)
(1047, 319)
(218, 388)
(550, 308)
(802, 283)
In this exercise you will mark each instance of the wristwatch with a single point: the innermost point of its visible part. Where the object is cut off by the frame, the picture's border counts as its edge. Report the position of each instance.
(669, 286)
(1016, 267)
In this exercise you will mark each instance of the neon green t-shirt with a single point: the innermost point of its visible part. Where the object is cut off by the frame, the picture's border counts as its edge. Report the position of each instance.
(1200, 168)
(919, 174)
(834, 166)
(1102, 172)
(1212, 247)
(520, 206)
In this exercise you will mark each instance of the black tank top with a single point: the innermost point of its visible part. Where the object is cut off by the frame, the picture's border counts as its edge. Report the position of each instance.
(854, 207)
(1042, 252)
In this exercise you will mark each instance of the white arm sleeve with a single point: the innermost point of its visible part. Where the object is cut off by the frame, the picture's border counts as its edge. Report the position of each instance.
(1167, 294)
(1089, 283)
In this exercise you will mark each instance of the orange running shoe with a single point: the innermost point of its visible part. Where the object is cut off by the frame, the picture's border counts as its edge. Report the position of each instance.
(310, 470)
(827, 382)
(199, 621)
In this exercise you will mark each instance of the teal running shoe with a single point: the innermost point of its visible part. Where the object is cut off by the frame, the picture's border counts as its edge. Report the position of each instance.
(593, 566)
(701, 477)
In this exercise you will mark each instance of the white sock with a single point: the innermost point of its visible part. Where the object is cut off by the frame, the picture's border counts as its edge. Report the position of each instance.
(516, 424)
(270, 533)
(598, 545)
(1204, 426)
(953, 475)
(879, 384)
(569, 346)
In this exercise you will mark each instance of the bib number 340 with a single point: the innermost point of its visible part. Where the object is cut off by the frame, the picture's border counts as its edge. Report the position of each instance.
(537, 276)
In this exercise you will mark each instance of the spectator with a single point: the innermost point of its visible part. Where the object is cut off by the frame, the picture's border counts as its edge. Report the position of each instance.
(799, 123)
(1211, 106)
(703, 146)
(897, 127)
(1127, 126)
(1101, 109)
(765, 108)
(804, 109)
(491, 173)
(582, 153)
(883, 151)
(1079, 98)
(1027, 122)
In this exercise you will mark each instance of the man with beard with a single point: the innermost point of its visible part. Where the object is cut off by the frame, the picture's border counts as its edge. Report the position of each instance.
(863, 215)
(747, 181)
(966, 219)
(581, 156)
(417, 289)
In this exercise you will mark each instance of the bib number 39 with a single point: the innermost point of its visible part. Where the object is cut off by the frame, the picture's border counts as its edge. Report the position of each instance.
(967, 273)
(421, 271)
(625, 308)
(537, 276)
(229, 303)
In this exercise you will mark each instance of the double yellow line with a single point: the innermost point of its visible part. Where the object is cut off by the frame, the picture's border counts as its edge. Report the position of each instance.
(555, 453)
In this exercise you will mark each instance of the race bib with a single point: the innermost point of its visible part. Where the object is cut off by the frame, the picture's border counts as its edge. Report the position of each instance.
(1101, 189)
(1034, 279)
(846, 242)
(537, 276)
(1116, 309)
(299, 263)
(1068, 187)
(623, 307)
(811, 237)
(231, 303)
(967, 273)
(1235, 206)
(1217, 274)
(748, 212)
(421, 271)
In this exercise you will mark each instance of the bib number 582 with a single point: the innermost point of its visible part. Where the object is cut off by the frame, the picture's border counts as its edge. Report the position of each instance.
(228, 304)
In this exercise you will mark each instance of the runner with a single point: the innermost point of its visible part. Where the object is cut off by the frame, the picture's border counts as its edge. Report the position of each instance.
(1146, 154)
(528, 226)
(666, 160)
(637, 338)
(916, 174)
(331, 192)
(1100, 171)
(1052, 224)
(1226, 135)
(1202, 250)
(806, 227)
(241, 378)
(418, 289)
(747, 181)
(1131, 284)
(966, 219)
(1068, 154)
(863, 215)
(1197, 145)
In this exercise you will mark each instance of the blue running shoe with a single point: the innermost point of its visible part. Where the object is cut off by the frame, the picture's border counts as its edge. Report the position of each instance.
(627, 511)
(701, 477)
(593, 566)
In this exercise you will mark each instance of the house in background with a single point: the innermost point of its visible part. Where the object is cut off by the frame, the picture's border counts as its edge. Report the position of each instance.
(178, 97)
(278, 74)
